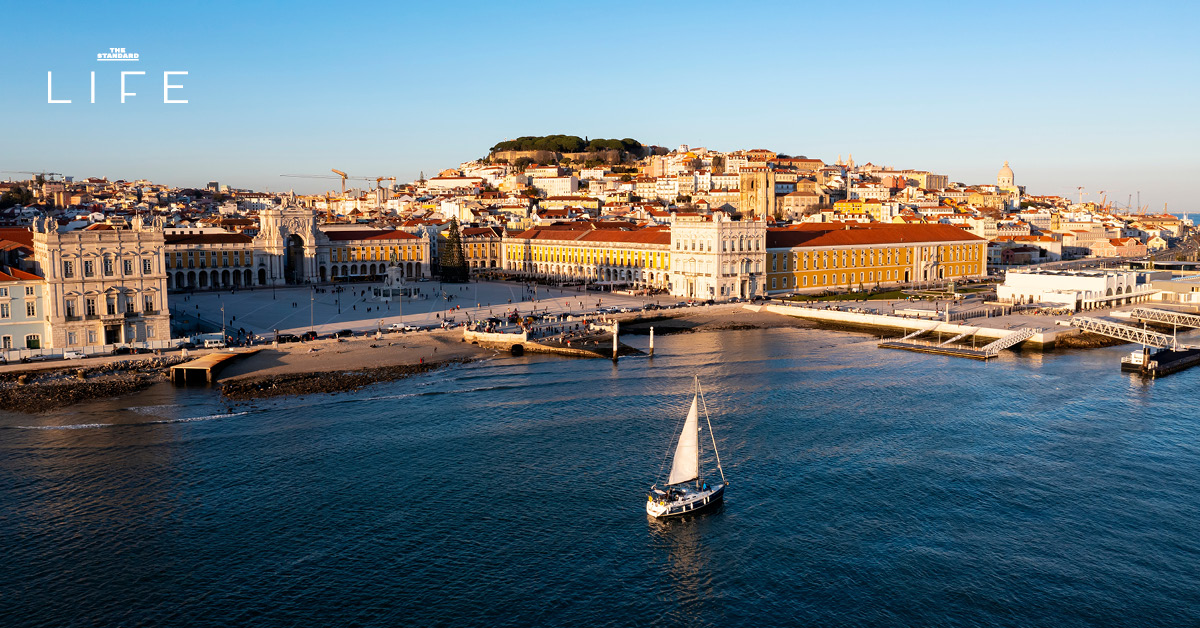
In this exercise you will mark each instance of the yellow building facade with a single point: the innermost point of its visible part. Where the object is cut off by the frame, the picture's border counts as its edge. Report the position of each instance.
(808, 257)
(579, 252)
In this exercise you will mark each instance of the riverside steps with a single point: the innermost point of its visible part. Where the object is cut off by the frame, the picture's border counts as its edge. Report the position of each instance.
(987, 341)
(204, 369)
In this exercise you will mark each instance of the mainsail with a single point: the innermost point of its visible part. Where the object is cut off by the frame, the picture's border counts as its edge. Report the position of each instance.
(686, 466)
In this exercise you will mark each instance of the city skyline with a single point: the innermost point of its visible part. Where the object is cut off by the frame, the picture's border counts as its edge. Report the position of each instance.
(952, 89)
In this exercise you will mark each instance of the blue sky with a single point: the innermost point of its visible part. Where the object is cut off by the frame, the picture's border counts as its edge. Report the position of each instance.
(1100, 94)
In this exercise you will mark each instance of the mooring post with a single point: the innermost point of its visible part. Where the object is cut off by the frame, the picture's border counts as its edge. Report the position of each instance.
(616, 328)
(651, 342)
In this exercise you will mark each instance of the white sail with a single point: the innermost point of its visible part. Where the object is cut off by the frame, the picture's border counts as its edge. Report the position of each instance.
(686, 465)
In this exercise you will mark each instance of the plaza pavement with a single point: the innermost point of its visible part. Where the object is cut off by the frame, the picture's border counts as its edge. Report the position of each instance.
(263, 310)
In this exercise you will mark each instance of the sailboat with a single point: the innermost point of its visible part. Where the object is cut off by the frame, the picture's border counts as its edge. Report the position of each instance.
(685, 491)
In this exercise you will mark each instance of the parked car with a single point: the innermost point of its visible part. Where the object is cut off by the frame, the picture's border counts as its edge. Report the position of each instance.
(308, 335)
(73, 355)
(283, 338)
(401, 327)
(123, 351)
(344, 333)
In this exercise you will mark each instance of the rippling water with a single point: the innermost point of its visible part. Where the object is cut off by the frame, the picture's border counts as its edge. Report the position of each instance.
(869, 487)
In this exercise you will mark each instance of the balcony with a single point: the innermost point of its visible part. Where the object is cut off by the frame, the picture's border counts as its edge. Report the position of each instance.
(73, 319)
(132, 314)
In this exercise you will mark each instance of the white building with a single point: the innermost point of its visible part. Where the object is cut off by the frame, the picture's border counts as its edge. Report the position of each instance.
(105, 285)
(1074, 289)
(713, 257)
(556, 186)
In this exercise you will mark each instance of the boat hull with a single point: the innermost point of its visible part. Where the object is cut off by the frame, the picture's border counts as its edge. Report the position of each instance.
(701, 501)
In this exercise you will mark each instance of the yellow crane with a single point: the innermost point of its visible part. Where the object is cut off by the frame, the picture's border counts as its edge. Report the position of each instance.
(343, 176)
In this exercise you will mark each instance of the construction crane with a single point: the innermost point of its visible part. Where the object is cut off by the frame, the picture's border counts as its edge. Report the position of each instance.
(43, 173)
(342, 176)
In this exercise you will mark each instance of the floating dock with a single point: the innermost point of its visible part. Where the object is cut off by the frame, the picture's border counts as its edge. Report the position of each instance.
(1160, 363)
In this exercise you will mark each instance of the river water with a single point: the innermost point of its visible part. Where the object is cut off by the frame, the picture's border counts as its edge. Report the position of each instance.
(868, 488)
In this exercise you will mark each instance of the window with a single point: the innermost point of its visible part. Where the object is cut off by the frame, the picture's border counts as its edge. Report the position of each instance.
(31, 309)
(70, 307)
(148, 303)
(7, 342)
(4, 310)
(91, 336)
(91, 307)
(129, 306)
(72, 338)
(108, 267)
(149, 331)
(68, 269)
(28, 291)
(33, 341)
(89, 268)
(127, 266)
(146, 267)
(3, 292)
(112, 306)
(772, 283)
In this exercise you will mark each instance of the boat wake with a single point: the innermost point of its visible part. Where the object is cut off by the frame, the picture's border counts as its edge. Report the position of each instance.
(87, 426)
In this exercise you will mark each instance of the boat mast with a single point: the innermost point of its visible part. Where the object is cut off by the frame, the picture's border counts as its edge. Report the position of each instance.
(710, 432)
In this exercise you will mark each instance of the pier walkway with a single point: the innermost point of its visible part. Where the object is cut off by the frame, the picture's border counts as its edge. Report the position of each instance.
(1125, 332)
(203, 369)
(1180, 319)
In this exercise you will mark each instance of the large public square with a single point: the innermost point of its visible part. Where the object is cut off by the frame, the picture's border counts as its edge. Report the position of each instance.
(324, 309)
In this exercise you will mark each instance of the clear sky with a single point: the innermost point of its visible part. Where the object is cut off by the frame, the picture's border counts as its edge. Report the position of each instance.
(1098, 94)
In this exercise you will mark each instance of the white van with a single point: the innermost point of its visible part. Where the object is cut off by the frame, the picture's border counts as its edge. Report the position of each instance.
(214, 344)
(73, 355)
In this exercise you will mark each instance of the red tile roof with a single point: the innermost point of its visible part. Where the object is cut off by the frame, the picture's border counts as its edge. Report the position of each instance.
(381, 234)
(24, 236)
(819, 234)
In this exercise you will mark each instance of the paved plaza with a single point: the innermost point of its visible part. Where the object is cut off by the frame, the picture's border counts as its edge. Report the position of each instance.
(297, 309)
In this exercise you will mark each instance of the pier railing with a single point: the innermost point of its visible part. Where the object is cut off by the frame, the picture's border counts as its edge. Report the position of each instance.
(1017, 337)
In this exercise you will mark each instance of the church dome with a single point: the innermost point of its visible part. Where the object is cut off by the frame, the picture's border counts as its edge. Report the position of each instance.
(1006, 174)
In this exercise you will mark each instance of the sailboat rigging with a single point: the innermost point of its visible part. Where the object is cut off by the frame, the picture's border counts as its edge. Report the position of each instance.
(685, 491)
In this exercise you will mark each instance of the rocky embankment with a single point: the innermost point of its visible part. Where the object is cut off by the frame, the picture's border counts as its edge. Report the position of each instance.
(1086, 340)
(245, 388)
(42, 390)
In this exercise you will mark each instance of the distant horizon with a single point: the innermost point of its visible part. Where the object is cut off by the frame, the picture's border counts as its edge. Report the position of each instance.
(378, 89)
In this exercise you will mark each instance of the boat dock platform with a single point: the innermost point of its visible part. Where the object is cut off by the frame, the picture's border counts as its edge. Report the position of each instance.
(204, 369)
(1160, 363)
(995, 339)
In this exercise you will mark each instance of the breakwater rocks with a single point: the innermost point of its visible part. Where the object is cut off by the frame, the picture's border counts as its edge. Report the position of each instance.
(1086, 340)
(332, 382)
(36, 391)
